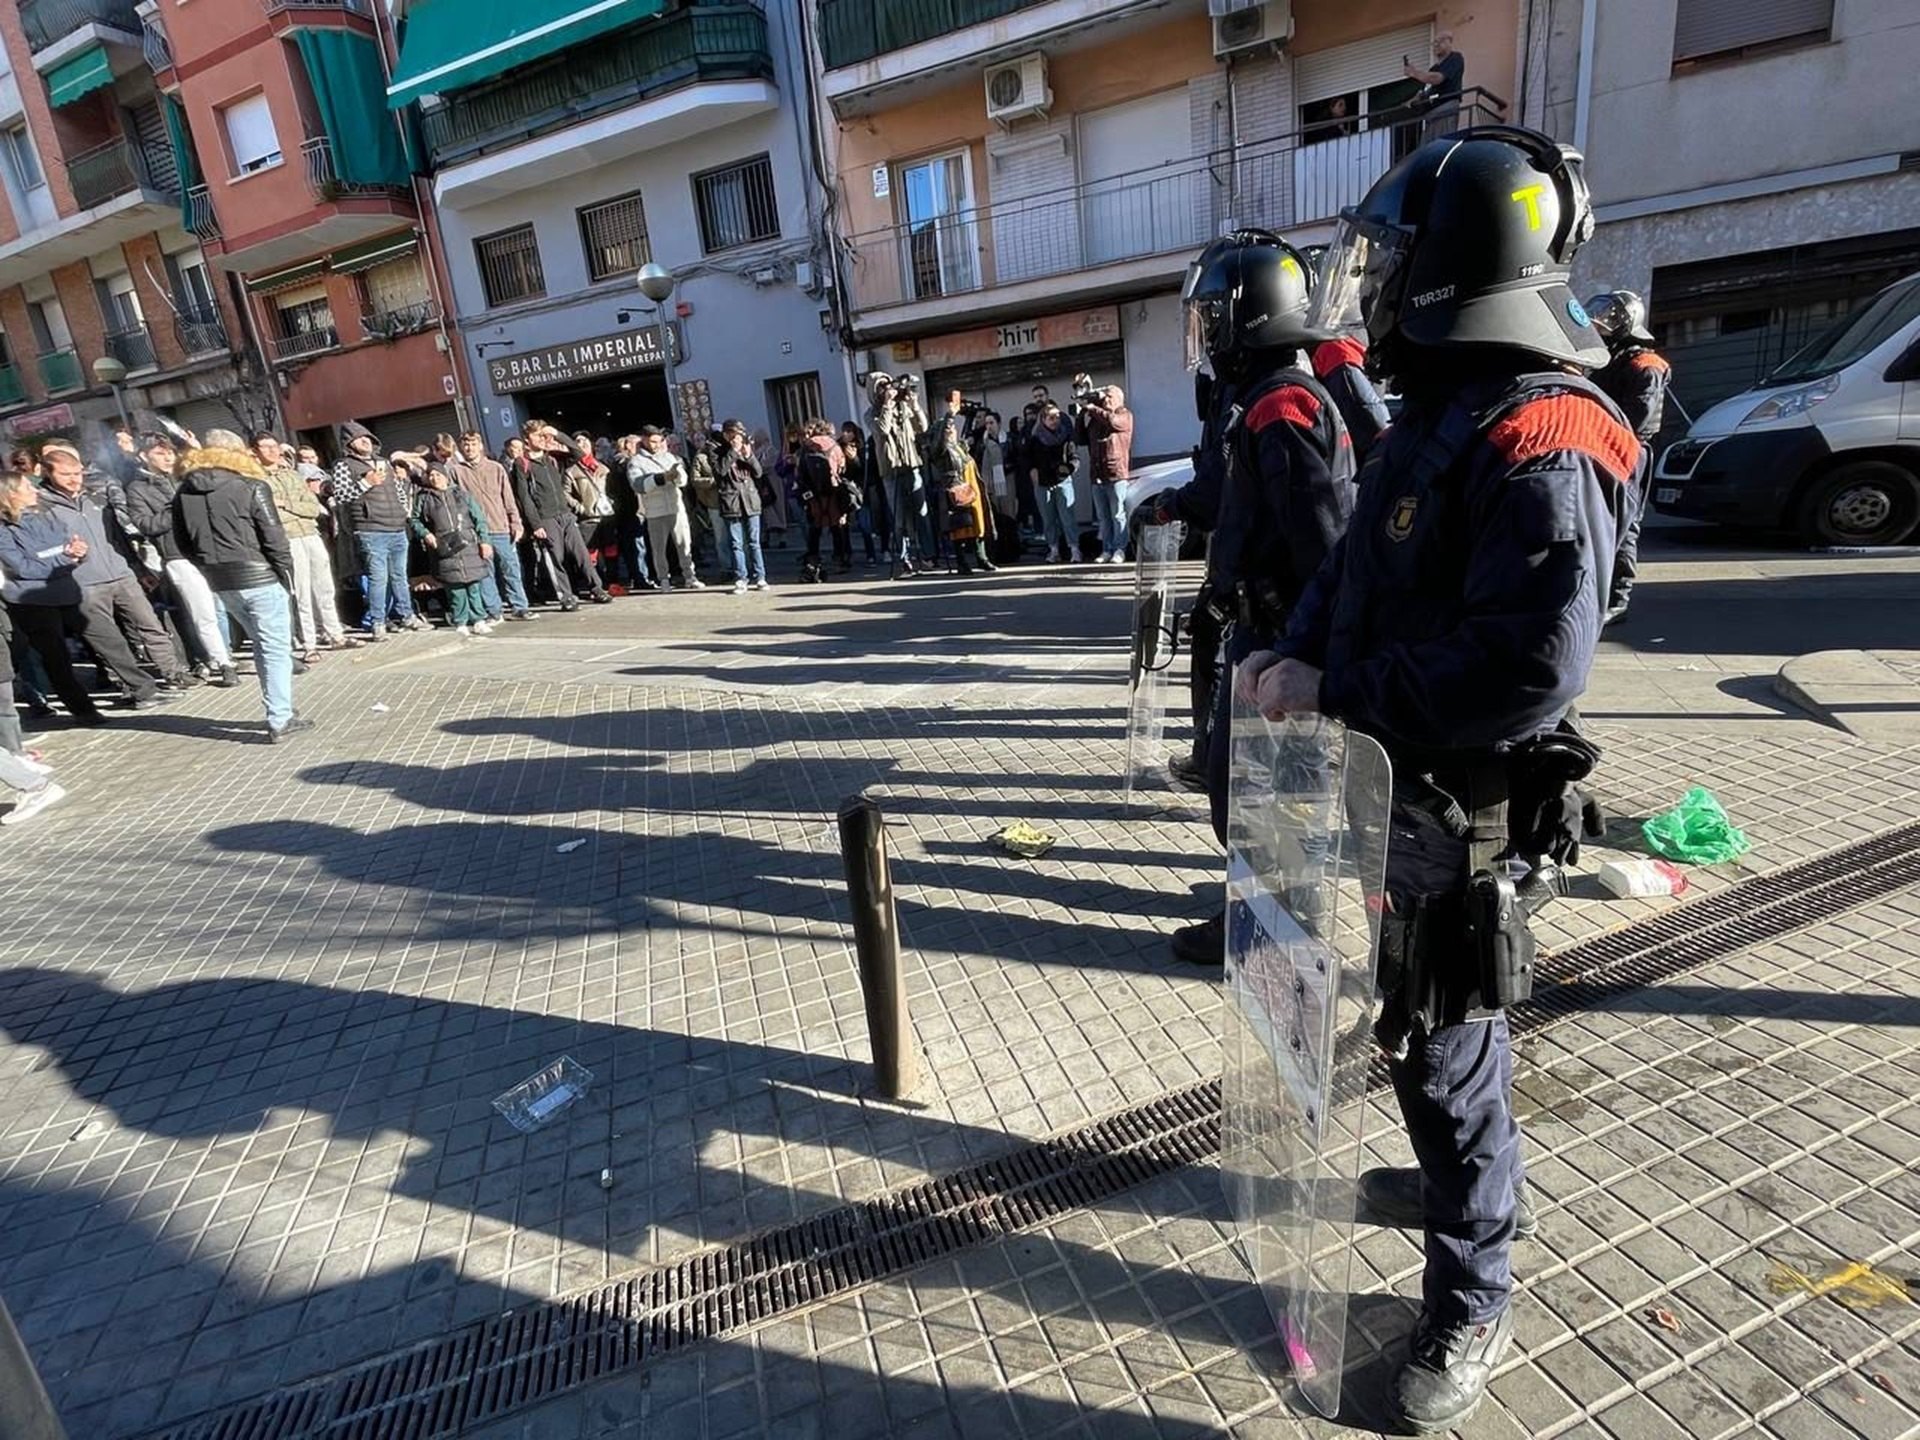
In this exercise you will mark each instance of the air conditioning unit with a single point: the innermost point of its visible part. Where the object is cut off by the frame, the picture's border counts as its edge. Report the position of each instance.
(1249, 28)
(1018, 89)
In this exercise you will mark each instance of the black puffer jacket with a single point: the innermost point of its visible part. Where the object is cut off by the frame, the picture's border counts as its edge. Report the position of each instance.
(225, 522)
(149, 503)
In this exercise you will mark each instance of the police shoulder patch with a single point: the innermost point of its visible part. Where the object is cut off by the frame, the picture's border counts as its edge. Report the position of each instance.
(1648, 360)
(1290, 404)
(1331, 355)
(1567, 422)
(1400, 518)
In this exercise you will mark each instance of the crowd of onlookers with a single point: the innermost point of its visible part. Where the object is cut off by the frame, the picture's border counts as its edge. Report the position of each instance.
(152, 565)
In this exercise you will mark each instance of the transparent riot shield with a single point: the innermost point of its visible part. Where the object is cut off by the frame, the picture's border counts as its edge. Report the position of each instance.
(1154, 640)
(1306, 865)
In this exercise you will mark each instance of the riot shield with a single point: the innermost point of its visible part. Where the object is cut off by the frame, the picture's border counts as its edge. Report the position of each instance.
(1154, 639)
(1306, 865)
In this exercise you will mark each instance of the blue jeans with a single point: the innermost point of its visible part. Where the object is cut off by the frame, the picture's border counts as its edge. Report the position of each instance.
(1109, 515)
(265, 612)
(1056, 510)
(633, 549)
(384, 554)
(907, 502)
(504, 573)
(717, 527)
(743, 537)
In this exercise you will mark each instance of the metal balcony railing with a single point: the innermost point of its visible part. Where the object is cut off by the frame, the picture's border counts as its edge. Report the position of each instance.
(154, 44)
(60, 371)
(351, 7)
(856, 30)
(323, 177)
(704, 41)
(116, 168)
(401, 320)
(199, 332)
(1170, 210)
(202, 219)
(132, 347)
(13, 386)
(307, 342)
(47, 21)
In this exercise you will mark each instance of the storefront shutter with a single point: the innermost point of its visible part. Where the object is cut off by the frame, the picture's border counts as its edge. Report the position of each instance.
(1347, 69)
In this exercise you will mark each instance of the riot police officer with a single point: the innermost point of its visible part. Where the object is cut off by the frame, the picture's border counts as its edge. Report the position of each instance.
(1456, 623)
(1286, 480)
(1636, 378)
(1340, 364)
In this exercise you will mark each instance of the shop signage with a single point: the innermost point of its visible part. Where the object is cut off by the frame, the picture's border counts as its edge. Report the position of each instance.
(1022, 337)
(578, 360)
(49, 421)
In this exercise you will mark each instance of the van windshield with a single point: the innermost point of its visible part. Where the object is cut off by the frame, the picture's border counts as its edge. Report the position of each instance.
(1857, 334)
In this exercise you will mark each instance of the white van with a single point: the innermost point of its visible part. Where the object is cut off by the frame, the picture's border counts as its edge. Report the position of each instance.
(1828, 445)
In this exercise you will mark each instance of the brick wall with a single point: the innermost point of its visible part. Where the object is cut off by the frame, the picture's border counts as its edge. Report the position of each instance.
(13, 316)
(146, 266)
(74, 285)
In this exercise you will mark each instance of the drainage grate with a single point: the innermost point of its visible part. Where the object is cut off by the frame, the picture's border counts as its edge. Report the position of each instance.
(496, 1366)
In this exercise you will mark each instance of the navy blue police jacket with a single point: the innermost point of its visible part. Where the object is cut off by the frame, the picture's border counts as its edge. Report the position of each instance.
(1341, 366)
(1461, 610)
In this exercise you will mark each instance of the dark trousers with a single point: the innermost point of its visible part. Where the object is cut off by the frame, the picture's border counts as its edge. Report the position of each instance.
(1455, 1087)
(1242, 641)
(45, 627)
(633, 549)
(567, 548)
(1203, 674)
(1626, 553)
(842, 543)
(116, 612)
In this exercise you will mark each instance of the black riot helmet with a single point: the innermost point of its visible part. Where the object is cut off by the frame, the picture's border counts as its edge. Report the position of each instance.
(1466, 244)
(1621, 318)
(1246, 295)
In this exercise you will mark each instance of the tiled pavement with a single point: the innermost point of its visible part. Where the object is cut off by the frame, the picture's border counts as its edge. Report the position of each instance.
(257, 1001)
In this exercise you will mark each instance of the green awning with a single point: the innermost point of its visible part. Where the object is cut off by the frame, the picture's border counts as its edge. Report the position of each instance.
(82, 75)
(364, 256)
(286, 279)
(347, 84)
(448, 44)
(185, 162)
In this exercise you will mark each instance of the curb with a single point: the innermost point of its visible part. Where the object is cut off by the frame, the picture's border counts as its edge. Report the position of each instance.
(1856, 692)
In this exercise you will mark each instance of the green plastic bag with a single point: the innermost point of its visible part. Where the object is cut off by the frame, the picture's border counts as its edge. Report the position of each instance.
(1696, 831)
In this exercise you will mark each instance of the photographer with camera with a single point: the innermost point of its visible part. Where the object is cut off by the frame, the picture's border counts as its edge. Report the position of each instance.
(896, 421)
(659, 480)
(1052, 459)
(1104, 425)
(739, 474)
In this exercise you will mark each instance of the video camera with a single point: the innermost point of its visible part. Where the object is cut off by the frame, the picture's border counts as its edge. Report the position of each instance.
(1084, 389)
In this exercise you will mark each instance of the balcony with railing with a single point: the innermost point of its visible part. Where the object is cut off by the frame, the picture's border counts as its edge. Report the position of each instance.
(337, 7)
(47, 22)
(306, 342)
(400, 320)
(13, 385)
(132, 347)
(60, 371)
(154, 45)
(1165, 213)
(323, 176)
(702, 42)
(856, 30)
(202, 219)
(199, 332)
(119, 167)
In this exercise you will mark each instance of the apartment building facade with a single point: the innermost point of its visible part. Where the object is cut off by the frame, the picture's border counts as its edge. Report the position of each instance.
(1022, 182)
(102, 287)
(1753, 165)
(572, 145)
(300, 187)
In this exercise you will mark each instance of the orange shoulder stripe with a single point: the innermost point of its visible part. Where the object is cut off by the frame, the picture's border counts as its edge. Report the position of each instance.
(1647, 360)
(1294, 404)
(1567, 422)
(1331, 355)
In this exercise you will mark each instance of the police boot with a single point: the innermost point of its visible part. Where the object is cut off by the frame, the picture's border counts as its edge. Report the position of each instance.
(1392, 1197)
(1204, 943)
(1444, 1379)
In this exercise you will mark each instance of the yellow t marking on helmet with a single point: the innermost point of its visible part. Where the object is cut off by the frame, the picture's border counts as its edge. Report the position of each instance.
(1530, 197)
(1289, 265)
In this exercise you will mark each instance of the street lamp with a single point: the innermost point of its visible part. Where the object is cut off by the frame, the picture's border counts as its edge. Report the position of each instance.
(111, 373)
(656, 283)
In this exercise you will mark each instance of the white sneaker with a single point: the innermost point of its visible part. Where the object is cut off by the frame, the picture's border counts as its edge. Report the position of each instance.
(32, 805)
(465, 632)
(739, 587)
(39, 767)
(483, 627)
(760, 584)
(696, 584)
(666, 587)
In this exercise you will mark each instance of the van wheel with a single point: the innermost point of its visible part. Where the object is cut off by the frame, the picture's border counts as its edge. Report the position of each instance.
(1871, 502)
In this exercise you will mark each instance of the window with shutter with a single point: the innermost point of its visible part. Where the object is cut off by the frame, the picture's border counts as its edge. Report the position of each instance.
(252, 143)
(1706, 28)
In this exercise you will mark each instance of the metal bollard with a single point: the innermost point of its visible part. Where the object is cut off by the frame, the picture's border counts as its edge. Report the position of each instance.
(25, 1411)
(876, 939)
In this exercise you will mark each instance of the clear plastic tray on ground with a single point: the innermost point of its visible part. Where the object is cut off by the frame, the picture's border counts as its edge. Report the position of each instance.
(1151, 641)
(1306, 865)
(542, 1097)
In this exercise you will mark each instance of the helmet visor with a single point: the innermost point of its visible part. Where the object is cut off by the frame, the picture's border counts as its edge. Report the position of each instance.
(1202, 323)
(1357, 267)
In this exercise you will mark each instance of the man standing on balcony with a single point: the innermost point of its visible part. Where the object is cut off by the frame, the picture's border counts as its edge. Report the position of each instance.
(897, 422)
(1443, 82)
(377, 505)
